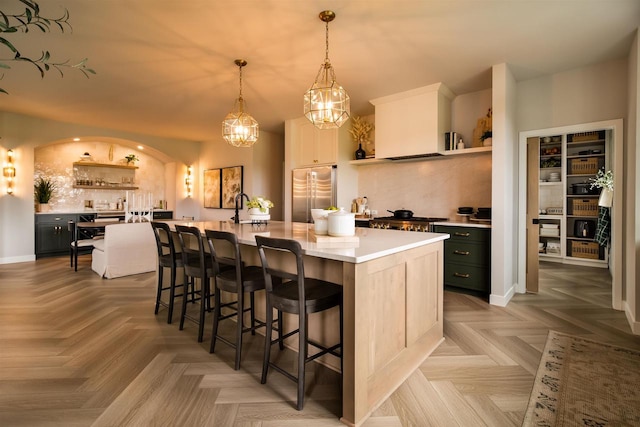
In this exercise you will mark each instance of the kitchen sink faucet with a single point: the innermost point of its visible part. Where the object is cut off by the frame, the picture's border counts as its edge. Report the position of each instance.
(236, 217)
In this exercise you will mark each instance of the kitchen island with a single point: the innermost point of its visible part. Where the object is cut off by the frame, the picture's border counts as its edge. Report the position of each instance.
(393, 290)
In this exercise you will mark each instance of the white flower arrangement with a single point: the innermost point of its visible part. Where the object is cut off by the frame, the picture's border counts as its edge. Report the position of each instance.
(259, 202)
(603, 180)
(360, 129)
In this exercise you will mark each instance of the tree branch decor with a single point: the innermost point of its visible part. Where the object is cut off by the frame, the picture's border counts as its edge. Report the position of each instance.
(30, 18)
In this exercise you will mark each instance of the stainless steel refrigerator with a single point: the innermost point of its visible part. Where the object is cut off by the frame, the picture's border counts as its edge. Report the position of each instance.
(313, 188)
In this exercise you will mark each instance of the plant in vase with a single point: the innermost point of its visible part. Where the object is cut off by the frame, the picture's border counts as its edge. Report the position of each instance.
(359, 131)
(131, 159)
(258, 205)
(604, 181)
(43, 189)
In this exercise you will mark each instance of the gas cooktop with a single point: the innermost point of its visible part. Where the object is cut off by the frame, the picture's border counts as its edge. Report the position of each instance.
(415, 223)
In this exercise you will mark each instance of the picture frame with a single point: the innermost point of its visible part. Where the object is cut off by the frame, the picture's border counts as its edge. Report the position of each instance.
(231, 186)
(212, 188)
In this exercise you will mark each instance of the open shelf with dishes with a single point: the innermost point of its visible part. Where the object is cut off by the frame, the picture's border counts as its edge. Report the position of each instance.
(104, 176)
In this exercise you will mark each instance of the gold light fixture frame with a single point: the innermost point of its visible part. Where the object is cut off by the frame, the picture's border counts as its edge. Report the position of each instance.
(9, 172)
(238, 127)
(327, 104)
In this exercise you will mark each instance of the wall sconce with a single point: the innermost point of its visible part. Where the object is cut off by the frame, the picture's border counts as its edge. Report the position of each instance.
(9, 172)
(188, 181)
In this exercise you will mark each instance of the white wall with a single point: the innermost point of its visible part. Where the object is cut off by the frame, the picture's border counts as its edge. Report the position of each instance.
(262, 172)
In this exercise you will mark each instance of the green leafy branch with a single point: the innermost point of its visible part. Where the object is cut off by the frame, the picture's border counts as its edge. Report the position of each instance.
(30, 18)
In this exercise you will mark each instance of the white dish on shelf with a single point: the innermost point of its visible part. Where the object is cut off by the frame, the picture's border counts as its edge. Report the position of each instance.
(552, 226)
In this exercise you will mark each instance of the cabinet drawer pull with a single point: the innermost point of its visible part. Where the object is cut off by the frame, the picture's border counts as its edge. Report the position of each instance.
(457, 233)
(457, 252)
(464, 276)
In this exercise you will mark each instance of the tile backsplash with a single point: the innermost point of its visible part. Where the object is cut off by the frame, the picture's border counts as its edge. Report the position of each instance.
(435, 187)
(56, 161)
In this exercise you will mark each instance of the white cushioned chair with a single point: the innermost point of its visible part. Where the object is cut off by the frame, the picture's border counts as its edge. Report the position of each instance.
(127, 248)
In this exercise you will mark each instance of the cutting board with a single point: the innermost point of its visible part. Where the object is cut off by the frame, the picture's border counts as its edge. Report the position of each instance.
(335, 241)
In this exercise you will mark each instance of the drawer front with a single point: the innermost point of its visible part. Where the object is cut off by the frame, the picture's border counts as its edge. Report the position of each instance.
(467, 234)
(163, 215)
(473, 253)
(467, 276)
(55, 219)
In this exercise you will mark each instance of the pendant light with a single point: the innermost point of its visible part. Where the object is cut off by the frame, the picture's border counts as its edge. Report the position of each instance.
(238, 127)
(326, 103)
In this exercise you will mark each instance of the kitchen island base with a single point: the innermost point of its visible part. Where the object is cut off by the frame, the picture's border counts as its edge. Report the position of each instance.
(392, 298)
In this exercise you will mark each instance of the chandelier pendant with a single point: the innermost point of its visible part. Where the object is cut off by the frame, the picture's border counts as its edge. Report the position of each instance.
(238, 127)
(326, 103)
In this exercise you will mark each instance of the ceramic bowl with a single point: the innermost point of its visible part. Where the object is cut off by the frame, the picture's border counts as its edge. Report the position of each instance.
(319, 213)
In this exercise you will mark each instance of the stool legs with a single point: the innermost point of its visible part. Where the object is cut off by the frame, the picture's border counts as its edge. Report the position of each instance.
(159, 290)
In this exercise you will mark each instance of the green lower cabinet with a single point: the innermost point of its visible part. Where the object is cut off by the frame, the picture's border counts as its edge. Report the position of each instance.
(467, 258)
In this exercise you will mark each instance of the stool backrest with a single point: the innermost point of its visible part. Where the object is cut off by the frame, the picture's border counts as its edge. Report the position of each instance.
(268, 247)
(185, 235)
(164, 239)
(225, 251)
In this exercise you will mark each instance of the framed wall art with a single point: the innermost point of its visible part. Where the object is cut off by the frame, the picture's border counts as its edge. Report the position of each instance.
(212, 188)
(231, 186)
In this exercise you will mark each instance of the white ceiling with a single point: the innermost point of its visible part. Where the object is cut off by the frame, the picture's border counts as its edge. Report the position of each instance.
(166, 67)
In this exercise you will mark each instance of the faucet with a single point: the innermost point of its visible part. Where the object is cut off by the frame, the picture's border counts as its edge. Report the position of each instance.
(236, 217)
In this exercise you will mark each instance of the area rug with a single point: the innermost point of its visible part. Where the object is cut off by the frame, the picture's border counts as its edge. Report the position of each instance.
(581, 382)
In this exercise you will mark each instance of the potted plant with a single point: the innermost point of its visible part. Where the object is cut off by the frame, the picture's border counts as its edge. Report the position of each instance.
(43, 189)
(604, 181)
(258, 205)
(131, 158)
(486, 138)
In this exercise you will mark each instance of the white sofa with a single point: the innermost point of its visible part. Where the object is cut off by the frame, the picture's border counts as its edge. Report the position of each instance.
(127, 248)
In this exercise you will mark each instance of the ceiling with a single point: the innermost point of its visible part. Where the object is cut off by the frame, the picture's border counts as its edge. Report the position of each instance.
(166, 68)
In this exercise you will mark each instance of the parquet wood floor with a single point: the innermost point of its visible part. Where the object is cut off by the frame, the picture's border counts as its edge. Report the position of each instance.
(77, 350)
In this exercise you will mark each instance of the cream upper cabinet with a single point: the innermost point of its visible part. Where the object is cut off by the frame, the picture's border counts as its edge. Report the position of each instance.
(314, 146)
(412, 123)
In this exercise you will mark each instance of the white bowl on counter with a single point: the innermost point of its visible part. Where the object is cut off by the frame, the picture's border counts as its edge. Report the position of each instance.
(341, 223)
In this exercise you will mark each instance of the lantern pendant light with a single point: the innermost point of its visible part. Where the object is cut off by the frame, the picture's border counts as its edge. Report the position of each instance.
(326, 103)
(238, 127)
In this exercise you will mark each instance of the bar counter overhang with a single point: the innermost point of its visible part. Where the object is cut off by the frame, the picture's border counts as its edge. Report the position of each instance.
(393, 301)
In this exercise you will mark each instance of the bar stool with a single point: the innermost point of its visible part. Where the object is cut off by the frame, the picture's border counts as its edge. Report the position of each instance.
(299, 295)
(231, 275)
(169, 258)
(76, 244)
(197, 266)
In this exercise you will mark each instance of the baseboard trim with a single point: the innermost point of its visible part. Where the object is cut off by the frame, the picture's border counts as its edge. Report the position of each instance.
(502, 300)
(633, 323)
(17, 259)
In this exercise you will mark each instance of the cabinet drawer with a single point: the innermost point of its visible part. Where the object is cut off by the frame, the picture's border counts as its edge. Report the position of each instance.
(465, 233)
(474, 253)
(467, 276)
(55, 218)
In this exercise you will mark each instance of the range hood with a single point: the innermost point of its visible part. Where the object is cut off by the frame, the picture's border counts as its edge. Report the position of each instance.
(411, 125)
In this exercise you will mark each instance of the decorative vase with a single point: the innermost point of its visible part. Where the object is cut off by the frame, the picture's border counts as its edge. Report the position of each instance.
(44, 207)
(606, 198)
(257, 211)
(360, 153)
(487, 142)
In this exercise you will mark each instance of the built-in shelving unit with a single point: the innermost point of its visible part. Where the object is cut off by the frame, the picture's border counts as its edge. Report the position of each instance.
(568, 206)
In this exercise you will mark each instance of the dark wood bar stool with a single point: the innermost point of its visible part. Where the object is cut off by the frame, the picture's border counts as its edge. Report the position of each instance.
(197, 267)
(169, 258)
(78, 242)
(231, 275)
(299, 295)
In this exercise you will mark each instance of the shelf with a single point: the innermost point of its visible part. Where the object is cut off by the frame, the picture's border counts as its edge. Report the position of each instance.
(583, 216)
(105, 187)
(555, 217)
(585, 156)
(544, 255)
(584, 143)
(583, 196)
(580, 239)
(551, 183)
(104, 165)
(439, 155)
(466, 151)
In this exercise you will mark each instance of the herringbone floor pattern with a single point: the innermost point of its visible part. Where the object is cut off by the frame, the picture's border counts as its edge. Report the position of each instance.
(77, 350)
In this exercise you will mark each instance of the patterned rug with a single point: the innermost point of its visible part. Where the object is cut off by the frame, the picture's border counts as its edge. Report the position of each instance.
(585, 383)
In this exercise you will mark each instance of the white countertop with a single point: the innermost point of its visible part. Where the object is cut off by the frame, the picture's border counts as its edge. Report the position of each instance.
(481, 224)
(374, 243)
